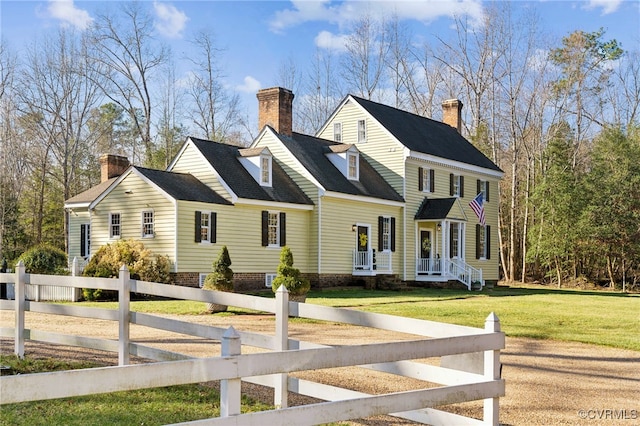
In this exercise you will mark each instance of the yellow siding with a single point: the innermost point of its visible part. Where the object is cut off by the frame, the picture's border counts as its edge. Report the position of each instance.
(384, 153)
(130, 206)
(339, 241)
(76, 218)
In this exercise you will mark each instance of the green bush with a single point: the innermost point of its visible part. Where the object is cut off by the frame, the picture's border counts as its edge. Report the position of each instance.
(289, 276)
(140, 261)
(45, 259)
(221, 279)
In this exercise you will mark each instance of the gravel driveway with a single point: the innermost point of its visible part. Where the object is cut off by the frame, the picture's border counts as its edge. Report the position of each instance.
(547, 382)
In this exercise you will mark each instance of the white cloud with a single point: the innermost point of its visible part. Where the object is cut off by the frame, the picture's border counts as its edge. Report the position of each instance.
(169, 21)
(608, 6)
(350, 10)
(329, 41)
(249, 85)
(66, 11)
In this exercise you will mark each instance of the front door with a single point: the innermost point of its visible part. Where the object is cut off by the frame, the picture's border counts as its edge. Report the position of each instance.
(425, 244)
(362, 244)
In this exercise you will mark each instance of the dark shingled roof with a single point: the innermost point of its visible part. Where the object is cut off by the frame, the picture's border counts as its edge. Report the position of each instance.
(224, 159)
(427, 136)
(182, 186)
(90, 194)
(436, 208)
(311, 152)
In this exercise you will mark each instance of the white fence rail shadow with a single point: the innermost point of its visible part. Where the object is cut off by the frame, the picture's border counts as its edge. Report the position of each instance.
(462, 380)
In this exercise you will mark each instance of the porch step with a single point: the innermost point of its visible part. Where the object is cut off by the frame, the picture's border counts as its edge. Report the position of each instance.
(389, 282)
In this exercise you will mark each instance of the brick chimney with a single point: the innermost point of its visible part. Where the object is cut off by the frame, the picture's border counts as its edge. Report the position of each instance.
(452, 113)
(275, 108)
(112, 166)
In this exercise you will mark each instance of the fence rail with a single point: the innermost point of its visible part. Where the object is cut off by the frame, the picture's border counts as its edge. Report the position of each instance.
(456, 346)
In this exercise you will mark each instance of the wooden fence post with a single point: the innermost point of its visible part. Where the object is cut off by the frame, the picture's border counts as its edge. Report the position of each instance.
(124, 299)
(230, 389)
(280, 388)
(19, 294)
(492, 372)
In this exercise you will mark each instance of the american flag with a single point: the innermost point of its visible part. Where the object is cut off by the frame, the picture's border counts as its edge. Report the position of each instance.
(477, 205)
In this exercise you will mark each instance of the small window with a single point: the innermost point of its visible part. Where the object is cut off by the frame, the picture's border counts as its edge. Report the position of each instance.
(265, 170)
(147, 224)
(114, 225)
(352, 166)
(455, 240)
(273, 229)
(268, 279)
(337, 132)
(201, 278)
(483, 242)
(205, 231)
(456, 185)
(483, 186)
(426, 180)
(362, 131)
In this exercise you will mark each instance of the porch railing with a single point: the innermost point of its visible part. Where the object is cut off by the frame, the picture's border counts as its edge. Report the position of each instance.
(371, 260)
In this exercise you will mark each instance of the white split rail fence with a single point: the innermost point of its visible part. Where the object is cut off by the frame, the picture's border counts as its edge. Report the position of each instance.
(471, 356)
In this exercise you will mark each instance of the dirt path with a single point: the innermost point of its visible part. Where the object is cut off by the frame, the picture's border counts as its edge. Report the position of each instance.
(547, 382)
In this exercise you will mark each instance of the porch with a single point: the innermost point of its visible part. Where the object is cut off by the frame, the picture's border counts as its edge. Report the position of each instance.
(371, 262)
(440, 270)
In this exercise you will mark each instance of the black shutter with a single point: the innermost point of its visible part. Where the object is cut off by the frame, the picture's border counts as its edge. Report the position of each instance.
(283, 229)
(478, 254)
(198, 232)
(461, 186)
(420, 183)
(451, 241)
(432, 176)
(477, 186)
(451, 184)
(83, 242)
(486, 188)
(487, 233)
(393, 234)
(213, 225)
(265, 228)
(380, 233)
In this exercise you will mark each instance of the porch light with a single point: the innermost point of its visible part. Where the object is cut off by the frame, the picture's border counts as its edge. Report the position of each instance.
(353, 228)
(439, 227)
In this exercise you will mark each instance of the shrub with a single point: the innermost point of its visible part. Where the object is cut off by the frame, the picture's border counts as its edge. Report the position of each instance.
(221, 279)
(289, 276)
(140, 261)
(45, 259)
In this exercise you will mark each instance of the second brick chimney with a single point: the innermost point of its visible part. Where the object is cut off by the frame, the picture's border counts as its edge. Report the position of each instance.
(112, 166)
(275, 108)
(452, 113)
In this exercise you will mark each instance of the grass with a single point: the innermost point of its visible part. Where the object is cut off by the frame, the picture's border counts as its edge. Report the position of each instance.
(601, 318)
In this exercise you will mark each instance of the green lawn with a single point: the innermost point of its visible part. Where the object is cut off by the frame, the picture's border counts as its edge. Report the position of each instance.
(599, 317)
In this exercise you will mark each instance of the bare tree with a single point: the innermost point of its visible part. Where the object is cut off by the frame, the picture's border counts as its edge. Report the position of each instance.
(216, 110)
(363, 64)
(423, 80)
(130, 55)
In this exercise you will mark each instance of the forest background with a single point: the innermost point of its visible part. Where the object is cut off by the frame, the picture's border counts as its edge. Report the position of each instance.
(561, 120)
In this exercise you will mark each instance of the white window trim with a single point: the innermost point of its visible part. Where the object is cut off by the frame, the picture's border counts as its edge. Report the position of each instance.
(277, 226)
(337, 132)
(456, 185)
(386, 220)
(268, 279)
(111, 236)
(483, 188)
(426, 179)
(201, 277)
(269, 161)
(483, 256)
(362, 138)
(153, 224)
(355, 155)
(208, 227)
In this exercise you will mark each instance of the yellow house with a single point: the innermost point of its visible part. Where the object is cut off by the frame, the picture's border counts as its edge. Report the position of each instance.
(377, 197)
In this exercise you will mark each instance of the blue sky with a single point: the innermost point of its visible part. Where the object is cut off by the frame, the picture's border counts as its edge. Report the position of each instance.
(259, 35)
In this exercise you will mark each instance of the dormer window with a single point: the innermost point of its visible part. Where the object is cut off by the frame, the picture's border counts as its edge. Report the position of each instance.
(352, 165)
(345, 158)
(265, 170)
(259, 163)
